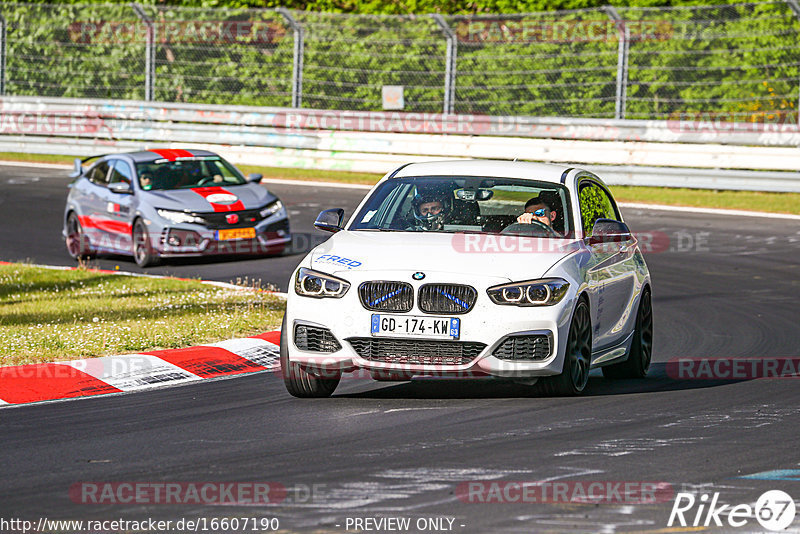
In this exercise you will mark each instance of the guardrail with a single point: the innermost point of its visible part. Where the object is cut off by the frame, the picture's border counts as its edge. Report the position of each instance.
(666, 153)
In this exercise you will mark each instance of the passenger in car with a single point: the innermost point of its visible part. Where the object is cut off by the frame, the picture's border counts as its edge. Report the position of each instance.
(146, 181)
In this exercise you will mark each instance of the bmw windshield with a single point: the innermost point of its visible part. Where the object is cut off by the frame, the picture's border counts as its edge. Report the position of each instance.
(468, 204)
(185, 173)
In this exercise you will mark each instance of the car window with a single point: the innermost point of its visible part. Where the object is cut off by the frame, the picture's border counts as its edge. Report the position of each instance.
(594, 204)
(99, 173)
(191, 172)
(463, 204)
(121, 172)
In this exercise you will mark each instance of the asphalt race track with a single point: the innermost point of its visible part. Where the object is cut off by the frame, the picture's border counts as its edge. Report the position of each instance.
(723, 287)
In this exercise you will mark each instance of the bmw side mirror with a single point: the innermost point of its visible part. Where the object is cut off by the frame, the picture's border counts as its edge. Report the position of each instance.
(78, 168)
(608, 231)
(330, 220)
(121, 188)
(255, 178)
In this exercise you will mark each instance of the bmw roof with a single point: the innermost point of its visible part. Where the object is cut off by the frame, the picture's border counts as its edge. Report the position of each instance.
(495, 168)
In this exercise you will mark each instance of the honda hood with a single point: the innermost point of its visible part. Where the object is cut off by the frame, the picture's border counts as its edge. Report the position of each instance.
(211, 199)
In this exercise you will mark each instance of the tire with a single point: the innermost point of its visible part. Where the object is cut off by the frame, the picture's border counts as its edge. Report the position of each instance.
(641, 352)
(78, 244)
(577, 357)
(143, 252)
(299, 382)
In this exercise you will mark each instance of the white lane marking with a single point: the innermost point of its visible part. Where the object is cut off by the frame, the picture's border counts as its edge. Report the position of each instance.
(132, 372)
(622, 447)
(709, 211)
(412, 409)
(258, 351)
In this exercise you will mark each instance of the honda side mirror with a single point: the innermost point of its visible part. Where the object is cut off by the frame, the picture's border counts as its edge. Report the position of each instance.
(78, 169)
(121, 188)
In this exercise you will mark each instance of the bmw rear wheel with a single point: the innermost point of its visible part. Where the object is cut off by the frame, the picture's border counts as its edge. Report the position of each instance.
(143, 251)
(577, 357)
(641, 351)
(300, 382)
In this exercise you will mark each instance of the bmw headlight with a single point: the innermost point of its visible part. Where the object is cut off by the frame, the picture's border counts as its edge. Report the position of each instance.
(310, 283)
(178, 217)
(544, 292)
(271, 209)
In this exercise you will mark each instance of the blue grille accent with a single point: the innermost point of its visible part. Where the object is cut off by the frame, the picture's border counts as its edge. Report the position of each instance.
(386, 296)
(446, 298)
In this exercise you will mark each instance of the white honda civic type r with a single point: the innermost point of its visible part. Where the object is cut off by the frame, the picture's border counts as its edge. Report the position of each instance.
(472, 268)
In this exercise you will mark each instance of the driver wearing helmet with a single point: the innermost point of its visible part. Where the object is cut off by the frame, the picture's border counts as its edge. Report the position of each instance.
(430, 209)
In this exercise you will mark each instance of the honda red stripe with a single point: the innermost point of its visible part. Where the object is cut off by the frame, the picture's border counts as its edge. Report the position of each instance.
(107, 225)
(209, 192)
(171, 154)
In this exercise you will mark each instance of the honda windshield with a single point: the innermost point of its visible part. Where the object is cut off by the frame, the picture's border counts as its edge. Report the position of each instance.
(184, 173)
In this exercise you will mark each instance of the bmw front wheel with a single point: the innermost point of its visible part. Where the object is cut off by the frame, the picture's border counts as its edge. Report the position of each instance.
(300, 382)
(641, 351)
(577, 357)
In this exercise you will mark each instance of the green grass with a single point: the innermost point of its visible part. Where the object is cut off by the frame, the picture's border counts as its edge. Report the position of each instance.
(702, 198)
(36, 158)
(48, 315)
(345, 177)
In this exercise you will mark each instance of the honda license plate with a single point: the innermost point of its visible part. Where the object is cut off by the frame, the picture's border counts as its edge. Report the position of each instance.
(236, 233)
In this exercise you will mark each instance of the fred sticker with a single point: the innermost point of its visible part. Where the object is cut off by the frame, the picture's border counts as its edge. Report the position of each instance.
(347, 263)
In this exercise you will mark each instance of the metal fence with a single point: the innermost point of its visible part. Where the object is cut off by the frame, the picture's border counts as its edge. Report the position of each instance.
(735, 62)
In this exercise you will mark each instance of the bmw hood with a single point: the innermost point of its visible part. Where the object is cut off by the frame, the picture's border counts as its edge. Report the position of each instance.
(512, 257)
(212, 198)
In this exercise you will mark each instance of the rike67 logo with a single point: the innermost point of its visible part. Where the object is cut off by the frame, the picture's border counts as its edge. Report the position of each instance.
(774, 510)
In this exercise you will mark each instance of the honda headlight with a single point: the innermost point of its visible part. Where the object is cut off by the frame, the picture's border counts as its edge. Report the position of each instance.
(179, 217)
(319, 285)
(545, 292)
(271, 209)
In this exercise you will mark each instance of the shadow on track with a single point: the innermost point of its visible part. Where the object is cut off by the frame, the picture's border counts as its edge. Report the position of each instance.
(656, 381)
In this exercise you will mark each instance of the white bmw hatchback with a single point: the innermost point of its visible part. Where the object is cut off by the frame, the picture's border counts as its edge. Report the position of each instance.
(472, 268)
